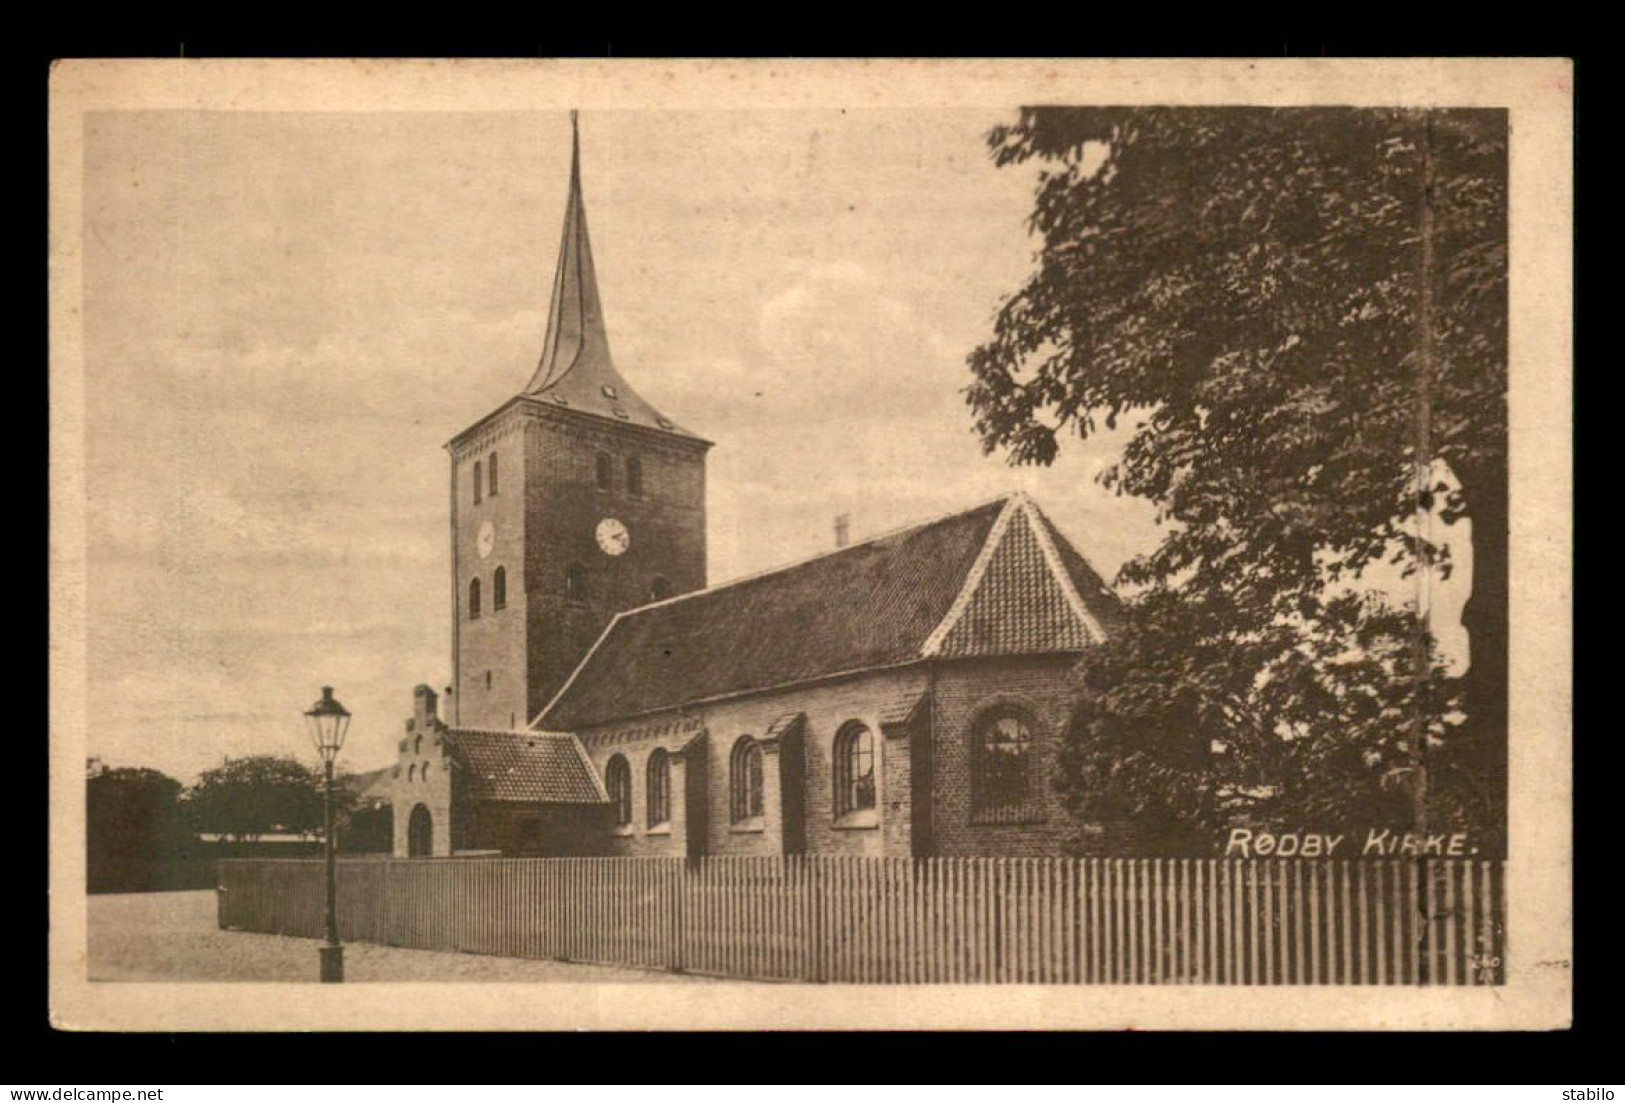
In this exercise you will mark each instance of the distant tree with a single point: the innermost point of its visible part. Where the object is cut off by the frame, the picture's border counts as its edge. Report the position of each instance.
(1303, 315)
(132, 822)
(260, 795)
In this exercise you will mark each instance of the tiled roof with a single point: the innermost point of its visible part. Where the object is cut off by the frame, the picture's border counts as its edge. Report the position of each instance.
(1019, 606)
(1097, 597)
(544, 767)
(784, 726)
(884, 602)
(900, 709)
(864, 606)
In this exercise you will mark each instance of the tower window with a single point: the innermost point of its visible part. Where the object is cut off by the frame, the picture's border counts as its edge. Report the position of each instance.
(487, 679)
(575, 582)
(854, 769)
(745, 780)
(658, 790)
(634, 475)
(479, 483)
(659, 589)
(474, 599)
(491, 475)
(618, 781)
(499, 585)
(604, 471)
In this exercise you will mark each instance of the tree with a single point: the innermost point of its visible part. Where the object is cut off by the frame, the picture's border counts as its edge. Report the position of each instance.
(258, 795)
(1303, 313)
(132, 823)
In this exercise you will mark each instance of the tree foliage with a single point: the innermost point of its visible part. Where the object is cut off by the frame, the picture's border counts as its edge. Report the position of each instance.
(260, 795)
(1302, 315)
(130, 811)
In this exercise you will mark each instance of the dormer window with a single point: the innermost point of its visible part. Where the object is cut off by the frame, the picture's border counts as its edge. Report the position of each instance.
(610, 392)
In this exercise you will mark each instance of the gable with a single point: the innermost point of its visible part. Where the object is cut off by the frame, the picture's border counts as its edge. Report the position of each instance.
(1018, 606)
(1029, 593)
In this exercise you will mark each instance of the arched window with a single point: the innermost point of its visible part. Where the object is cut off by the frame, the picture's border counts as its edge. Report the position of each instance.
(474, 599)
(854, 769)
(424, 773)
(745, 780)
(634, 475)
(1002, 762)
(417, 745)
(657, 793)
(412, 772)
(618, 781)
(491, 472)
(575, 582)
(659, 589)
(479, 483)
(604, 471)
(499, 588)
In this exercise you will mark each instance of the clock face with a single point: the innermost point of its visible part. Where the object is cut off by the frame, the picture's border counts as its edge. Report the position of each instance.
(612, 536)
(486, 540)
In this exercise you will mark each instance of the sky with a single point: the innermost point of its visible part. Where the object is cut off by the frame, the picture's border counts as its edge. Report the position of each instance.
(288, 315)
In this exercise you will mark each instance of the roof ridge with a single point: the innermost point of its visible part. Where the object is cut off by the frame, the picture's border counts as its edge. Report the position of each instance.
(802, 562)
(973, 577)
(528, 733)
(1044, 532)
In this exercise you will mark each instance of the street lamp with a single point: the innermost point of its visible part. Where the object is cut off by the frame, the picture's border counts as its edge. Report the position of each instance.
(328, 721)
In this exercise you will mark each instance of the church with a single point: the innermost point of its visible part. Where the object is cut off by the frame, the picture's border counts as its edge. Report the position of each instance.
(895, 696)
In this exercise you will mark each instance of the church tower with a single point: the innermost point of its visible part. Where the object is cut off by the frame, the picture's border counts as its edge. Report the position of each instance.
(573, 500)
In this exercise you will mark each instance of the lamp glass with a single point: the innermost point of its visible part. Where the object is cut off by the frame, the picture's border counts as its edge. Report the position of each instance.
(328, 722)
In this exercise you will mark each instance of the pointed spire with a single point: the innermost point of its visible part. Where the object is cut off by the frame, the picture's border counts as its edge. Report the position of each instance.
(575, 369)
(575, 317)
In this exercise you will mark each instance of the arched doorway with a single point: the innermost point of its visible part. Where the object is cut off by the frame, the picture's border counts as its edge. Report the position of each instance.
(420, 833)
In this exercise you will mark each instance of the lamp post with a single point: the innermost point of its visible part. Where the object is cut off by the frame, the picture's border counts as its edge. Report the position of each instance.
(328, 721)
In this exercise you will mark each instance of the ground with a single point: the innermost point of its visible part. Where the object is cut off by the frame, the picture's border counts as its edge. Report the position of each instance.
(159, 936)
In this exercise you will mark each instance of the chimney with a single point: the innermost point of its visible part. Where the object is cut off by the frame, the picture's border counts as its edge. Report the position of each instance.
(843, 525)
(424, 703)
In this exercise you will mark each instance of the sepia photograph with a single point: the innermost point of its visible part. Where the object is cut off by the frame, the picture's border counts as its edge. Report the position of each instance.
(1066, 545)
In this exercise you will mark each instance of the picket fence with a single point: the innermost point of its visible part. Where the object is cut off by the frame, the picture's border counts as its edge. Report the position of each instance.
(912, 921)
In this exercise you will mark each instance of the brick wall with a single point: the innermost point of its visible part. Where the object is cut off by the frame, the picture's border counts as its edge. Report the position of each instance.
(964, 691)
(827, 707)
(490, 659)
(564, 505)
(536, 830)
(934, 754)
(544, 517)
